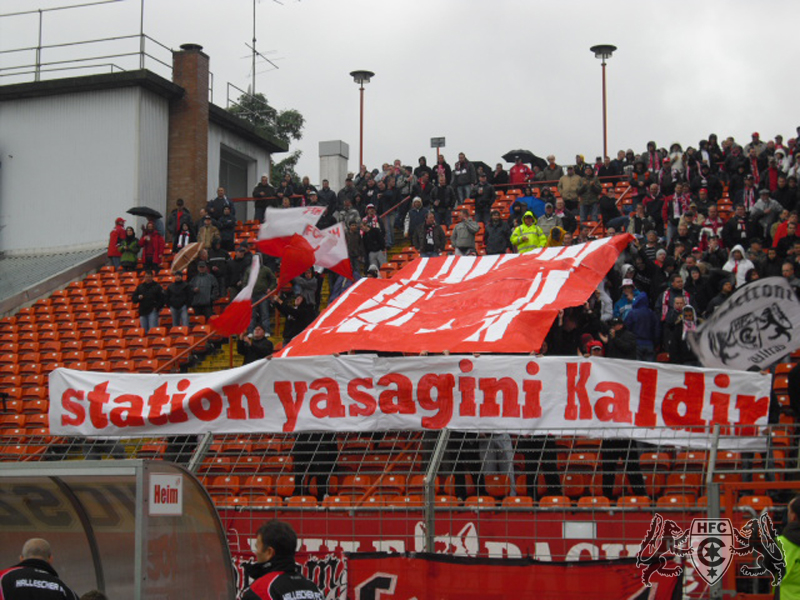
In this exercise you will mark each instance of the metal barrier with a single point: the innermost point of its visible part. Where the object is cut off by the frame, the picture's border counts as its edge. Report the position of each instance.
(563, 496)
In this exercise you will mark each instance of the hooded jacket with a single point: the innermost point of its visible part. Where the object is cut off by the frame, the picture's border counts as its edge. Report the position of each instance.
(642, 322)
(738, 267)
(527, 237)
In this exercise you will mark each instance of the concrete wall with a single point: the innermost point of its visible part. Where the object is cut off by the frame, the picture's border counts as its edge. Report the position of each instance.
(70, 164)
(258, 162)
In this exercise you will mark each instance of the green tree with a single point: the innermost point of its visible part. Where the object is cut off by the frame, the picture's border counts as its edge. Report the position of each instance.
(284, 125)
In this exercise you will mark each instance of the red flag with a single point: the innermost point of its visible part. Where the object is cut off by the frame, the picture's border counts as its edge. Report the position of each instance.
(280, 224)
(297, 258)
(332, 251)
(236, 317)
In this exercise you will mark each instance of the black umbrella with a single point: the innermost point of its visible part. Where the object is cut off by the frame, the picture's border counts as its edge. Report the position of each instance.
(486, 168)
(144, 211)
(527, 157)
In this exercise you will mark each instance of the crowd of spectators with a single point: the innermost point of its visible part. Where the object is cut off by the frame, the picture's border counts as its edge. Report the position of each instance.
(705, 221)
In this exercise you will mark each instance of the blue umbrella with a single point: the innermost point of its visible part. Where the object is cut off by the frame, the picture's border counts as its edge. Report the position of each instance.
(534, 204)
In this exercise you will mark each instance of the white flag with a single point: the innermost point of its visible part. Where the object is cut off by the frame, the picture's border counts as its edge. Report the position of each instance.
(756, 326)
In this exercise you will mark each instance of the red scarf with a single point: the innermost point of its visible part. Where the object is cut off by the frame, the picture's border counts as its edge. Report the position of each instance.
(754, 170)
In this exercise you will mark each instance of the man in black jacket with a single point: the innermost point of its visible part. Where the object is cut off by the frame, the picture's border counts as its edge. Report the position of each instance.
(150, 298)
(620, 343)
(255, 346)
(264, 194)
(498, 235)
(276, 574)
(179, 297)
(34, 577)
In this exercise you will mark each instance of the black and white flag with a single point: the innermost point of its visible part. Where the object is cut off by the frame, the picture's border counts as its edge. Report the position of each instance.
(756, 326)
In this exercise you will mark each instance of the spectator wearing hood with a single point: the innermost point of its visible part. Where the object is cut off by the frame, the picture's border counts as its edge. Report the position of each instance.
(528, 235)
(643, 323)
(414, 217)
(699, 288)
(738, 264)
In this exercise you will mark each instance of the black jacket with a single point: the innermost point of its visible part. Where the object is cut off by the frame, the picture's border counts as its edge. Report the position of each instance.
(149, 297)
(279, 579)
(254, 351)
(33, 579)
(622, 345)
(179, 293)
(297, 318)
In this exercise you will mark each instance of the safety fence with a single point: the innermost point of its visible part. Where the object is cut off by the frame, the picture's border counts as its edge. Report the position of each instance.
(564, 496)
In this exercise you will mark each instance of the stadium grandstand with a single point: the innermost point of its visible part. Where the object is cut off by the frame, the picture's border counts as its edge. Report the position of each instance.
(520, 499)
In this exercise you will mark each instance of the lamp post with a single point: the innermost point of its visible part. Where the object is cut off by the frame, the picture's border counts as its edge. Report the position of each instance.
(361, 77)
(603, 52)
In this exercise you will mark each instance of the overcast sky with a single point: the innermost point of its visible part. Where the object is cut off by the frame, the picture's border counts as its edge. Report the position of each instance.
(489, 76)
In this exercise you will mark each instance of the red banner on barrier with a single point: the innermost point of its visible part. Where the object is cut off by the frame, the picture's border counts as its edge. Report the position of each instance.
(558, 536)
(435, 577)
(496, 303)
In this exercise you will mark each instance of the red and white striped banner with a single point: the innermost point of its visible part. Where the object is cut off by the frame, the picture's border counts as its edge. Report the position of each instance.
(497, 303)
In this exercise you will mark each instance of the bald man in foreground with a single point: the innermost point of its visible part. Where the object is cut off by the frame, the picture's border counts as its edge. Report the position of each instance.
(34, 578)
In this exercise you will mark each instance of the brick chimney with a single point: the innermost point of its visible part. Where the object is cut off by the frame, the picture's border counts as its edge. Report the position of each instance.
(187, 172)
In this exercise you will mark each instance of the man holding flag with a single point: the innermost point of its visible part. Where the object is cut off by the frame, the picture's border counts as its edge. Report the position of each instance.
(290, 234)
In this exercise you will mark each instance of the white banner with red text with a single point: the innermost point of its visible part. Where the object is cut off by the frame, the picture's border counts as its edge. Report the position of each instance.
(599, 397)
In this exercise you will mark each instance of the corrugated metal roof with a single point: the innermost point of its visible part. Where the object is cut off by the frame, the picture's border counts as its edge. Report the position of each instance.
(18, 273)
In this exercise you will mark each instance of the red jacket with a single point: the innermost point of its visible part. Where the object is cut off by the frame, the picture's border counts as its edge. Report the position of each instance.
(117, 235)
(519, 174)
(153, 245)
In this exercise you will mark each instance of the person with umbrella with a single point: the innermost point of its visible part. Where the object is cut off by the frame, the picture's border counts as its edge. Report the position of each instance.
(153, 245)
(519, 174)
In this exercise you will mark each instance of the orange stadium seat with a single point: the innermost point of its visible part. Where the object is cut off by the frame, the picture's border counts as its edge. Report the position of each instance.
(633, 501)
(594, 502)
(301, 502)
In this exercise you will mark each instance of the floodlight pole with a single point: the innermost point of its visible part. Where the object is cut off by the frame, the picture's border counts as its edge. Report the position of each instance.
(603, 52)
(361, 77)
